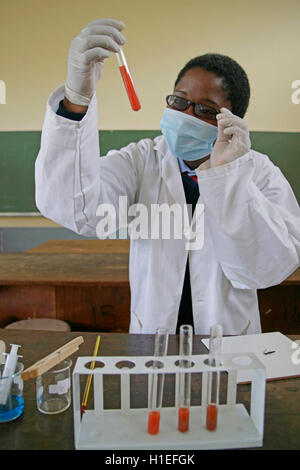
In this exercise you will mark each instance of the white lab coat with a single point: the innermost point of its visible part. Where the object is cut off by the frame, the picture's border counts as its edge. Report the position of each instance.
(251, 222)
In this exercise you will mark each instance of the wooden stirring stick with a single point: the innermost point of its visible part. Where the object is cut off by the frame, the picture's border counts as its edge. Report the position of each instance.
(41, 366)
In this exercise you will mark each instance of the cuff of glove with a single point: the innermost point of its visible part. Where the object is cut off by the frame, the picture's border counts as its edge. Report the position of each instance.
(75, 97)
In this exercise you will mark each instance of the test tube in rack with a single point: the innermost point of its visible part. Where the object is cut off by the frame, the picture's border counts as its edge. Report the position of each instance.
(156, 385)
(185, 350)
(213, 384)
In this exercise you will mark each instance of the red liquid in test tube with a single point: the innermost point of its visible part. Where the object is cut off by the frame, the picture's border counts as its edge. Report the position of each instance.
(128, 83)
(156, 381)
(183, 419)
(153, 422)
(211, 417)
(214, 360)
(185, 351)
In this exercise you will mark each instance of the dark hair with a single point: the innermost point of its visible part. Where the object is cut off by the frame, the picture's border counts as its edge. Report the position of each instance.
(235, 80)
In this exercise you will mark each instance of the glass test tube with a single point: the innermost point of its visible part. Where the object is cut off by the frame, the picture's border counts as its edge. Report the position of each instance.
(128, 82)
(185, 350)
(156, 385)
(213, 384)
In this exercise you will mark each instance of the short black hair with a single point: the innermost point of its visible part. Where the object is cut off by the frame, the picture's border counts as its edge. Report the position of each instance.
(235, 80)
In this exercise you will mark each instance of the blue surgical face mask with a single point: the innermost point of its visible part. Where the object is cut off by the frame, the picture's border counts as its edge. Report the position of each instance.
(188, 137)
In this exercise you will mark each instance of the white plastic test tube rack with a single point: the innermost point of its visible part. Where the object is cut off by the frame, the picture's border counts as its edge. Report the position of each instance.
(126, 428)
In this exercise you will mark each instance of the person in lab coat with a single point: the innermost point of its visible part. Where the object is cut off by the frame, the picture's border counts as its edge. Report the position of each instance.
(251, 219)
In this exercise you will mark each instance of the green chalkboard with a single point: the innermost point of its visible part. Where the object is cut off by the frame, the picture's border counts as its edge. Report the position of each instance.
(18, 151)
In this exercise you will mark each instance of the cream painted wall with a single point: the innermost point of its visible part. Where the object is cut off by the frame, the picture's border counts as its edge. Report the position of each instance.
(162, 35)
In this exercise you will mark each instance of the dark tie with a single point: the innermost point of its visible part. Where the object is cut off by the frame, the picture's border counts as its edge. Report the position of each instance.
(185, 313)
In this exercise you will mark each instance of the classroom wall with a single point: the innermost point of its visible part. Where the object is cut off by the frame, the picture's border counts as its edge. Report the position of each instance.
(162, 35)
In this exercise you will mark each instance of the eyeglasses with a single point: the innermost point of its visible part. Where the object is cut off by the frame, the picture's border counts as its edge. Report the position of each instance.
(200, 110)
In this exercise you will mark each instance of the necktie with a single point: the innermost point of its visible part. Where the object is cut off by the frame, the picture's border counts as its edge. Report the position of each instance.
(194, 177)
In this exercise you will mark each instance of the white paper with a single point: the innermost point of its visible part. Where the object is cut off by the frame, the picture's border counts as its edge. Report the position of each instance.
(60, 388)
(284, 362)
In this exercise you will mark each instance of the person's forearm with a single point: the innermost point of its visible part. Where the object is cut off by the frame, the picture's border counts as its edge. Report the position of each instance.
(75, 108)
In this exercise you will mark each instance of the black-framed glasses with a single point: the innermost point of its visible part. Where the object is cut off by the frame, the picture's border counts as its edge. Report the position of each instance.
(201, 110)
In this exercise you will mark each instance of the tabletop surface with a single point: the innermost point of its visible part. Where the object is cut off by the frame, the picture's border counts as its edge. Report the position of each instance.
(107, 246)
(82, 246)
(80, 262)
(110, 269)
(34, 430)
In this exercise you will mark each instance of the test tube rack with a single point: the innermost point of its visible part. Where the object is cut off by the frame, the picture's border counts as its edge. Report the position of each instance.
(126, 427)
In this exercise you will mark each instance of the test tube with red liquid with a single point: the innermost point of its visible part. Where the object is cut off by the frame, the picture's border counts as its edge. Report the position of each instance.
(213, 384)
(185, 351)
(156, 381)
(127, 80)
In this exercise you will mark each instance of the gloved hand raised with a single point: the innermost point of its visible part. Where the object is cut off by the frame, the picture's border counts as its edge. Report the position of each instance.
(233, 139)
(95, 43)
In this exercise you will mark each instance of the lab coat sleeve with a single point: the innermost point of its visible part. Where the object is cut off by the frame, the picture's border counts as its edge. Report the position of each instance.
(254, 220)
(71, 178)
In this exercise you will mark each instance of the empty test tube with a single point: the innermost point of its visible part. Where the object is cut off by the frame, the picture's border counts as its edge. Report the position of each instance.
(185, 350)
(156, 385)
(214, 360)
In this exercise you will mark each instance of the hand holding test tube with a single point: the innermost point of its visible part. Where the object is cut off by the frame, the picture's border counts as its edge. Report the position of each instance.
(156, 385)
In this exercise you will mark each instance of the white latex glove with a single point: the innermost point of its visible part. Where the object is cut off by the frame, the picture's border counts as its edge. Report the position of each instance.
(95, 43)
(233, 139)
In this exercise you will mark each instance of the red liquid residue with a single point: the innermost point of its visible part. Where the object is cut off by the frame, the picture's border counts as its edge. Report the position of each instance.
(211, 417)
(153, 422)
(134, 101)
(183, 419)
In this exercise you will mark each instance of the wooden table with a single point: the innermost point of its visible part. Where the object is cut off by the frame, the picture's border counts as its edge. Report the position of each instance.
(86, 283)
(34, 430)
(82, 246)
(89, 291)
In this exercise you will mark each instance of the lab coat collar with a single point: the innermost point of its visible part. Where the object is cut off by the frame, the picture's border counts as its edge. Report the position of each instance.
(170, 170)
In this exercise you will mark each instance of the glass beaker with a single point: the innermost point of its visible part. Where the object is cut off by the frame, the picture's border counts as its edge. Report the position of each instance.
(14, 404)
(53, 389)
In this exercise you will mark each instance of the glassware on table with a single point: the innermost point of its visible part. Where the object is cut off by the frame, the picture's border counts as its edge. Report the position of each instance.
(53, 389)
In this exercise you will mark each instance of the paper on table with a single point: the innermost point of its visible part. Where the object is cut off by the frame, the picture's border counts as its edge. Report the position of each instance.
(284, 362)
